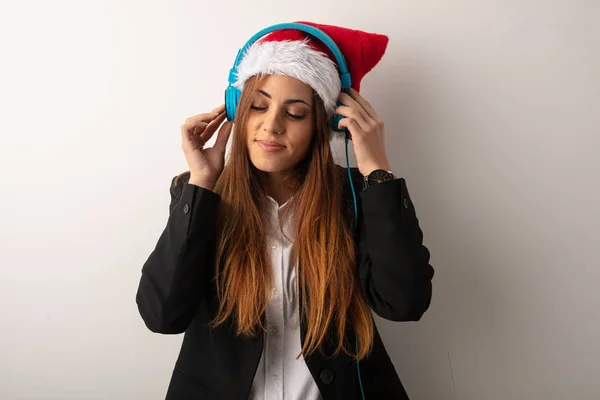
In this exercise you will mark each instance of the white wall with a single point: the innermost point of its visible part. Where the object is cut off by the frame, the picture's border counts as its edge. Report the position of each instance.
(492, 115)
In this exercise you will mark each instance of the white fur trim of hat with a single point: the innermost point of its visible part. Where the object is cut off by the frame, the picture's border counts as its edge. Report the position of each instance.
(297, 59)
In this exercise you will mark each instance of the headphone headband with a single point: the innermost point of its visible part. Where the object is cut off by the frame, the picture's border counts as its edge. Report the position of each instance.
(311, 30)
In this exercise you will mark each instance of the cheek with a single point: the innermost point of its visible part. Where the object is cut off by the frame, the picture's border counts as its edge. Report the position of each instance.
(302, 138)
(252, 126)
(249, 130)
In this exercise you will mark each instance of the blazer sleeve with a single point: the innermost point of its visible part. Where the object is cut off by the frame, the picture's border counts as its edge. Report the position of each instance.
(394, 268)
(177, 272)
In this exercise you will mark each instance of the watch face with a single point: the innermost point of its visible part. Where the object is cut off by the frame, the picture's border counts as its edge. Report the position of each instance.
(379, 176)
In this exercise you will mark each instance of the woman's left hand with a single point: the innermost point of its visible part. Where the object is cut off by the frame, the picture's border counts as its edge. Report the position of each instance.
(366, 132)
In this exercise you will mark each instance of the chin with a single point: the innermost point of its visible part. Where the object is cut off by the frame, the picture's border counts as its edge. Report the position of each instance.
(268, 165)
(269, 162)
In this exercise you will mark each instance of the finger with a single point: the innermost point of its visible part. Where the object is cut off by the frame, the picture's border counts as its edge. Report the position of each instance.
(190, 140)
(187, 131)
(223, 136)
(205, 117)
(212, 127)
(365, 105)
(351, 125)
(353, 113)
(219, 109)
(347, 100)
(198, 128)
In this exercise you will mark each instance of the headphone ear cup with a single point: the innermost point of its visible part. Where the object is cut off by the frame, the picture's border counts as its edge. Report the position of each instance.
(336, 120)
(232, 97)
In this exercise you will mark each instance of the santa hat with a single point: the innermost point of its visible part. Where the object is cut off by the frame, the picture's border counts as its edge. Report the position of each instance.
(295, 53)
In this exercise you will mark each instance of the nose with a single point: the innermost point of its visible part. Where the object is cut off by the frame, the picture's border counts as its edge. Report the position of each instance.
(273, 123)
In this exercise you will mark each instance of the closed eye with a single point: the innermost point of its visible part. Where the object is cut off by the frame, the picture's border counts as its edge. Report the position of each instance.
(294, 116)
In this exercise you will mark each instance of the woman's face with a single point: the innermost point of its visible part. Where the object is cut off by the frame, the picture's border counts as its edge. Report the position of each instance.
(280, 124)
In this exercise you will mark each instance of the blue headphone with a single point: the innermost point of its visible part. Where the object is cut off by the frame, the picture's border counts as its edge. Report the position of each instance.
(233, 94)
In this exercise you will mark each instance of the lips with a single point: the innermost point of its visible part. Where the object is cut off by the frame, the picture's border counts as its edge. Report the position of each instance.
(270, 143)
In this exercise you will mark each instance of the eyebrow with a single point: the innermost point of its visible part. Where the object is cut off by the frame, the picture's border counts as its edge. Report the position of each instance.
(288, 101)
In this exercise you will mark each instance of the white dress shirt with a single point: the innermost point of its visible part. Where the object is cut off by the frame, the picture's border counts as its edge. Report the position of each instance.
(280, 376)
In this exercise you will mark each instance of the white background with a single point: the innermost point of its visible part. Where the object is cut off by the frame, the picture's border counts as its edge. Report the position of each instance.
(492, 112)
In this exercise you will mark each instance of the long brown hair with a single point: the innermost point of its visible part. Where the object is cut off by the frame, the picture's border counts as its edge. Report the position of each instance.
(327, 273)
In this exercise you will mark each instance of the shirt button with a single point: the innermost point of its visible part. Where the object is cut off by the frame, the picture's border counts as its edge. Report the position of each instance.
(274, 245)
(274, 292)
(275, 330)
(186, 208)
(405, 202)
(275, 377)
(326, 376)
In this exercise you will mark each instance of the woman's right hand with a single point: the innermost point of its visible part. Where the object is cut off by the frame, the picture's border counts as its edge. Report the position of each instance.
(205, 165)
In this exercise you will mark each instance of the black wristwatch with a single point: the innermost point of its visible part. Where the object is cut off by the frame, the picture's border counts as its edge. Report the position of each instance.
(377, 176)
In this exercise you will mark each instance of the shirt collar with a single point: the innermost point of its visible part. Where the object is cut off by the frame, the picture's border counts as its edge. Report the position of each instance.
(275, 212)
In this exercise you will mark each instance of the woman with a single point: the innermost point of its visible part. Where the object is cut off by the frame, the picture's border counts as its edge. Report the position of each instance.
(261, 263)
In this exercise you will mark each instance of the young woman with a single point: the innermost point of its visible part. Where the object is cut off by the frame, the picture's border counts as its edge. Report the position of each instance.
(261, 263)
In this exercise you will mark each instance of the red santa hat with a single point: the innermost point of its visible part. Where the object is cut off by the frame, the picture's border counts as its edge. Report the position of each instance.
(295, 53)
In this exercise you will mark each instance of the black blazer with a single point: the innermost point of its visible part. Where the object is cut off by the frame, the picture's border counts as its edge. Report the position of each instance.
(176, 294)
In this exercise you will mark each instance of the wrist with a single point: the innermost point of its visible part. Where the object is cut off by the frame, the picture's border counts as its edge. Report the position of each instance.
(376, 176)
(385, 167)
(202, 182)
